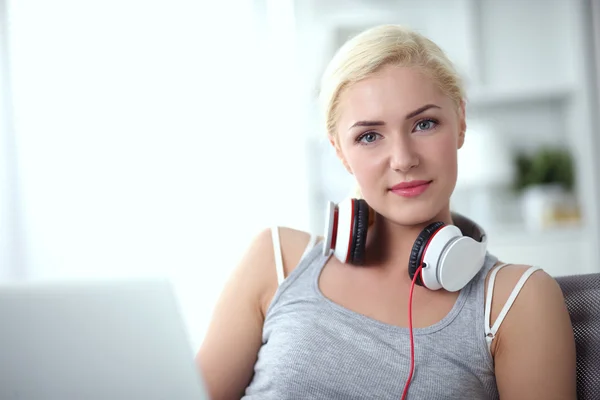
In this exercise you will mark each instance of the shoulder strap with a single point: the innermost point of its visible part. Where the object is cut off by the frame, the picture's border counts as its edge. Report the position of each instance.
(277, 252)
(490, 332)
(311, 243)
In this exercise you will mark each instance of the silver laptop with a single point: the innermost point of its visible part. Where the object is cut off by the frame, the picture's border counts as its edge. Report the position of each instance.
(103, 340)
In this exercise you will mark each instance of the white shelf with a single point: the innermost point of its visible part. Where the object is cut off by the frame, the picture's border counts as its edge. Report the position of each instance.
(495, 97)
(510, 234)
(560, 251)
(355, 14)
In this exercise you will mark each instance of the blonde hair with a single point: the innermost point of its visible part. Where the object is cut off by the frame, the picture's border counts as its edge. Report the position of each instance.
(376, 47)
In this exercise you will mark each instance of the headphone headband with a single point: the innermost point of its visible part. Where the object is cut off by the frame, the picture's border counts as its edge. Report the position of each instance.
(468, 227)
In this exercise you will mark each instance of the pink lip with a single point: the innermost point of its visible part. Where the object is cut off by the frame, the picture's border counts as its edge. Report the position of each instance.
(410, 189)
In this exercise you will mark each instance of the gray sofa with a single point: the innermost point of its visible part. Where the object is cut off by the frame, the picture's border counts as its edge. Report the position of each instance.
(582, 295)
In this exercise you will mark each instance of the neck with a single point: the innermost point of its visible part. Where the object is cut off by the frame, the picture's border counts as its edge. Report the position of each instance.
(389, 244)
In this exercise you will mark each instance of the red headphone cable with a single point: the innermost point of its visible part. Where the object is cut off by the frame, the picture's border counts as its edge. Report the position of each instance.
(410, 327)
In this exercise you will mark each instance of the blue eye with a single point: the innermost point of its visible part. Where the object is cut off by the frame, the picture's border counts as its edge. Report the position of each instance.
(426, 125)
(368, 137)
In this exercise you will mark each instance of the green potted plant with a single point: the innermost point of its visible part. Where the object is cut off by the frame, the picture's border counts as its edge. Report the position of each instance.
(547, 166)
(544, 179)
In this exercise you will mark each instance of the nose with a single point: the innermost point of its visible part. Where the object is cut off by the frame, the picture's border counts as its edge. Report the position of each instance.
(402, 155)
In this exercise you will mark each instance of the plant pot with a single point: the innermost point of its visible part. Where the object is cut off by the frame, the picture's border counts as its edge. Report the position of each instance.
(538, 203)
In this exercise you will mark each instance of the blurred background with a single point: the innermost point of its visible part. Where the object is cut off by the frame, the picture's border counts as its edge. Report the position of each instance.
(154, 138)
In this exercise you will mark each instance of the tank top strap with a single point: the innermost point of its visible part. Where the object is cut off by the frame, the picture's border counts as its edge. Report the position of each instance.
(491, 330)
(278, 256)
(299, 283)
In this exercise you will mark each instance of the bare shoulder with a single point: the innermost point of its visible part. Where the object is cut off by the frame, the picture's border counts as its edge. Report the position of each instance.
(534, 346)
(508, 277)
(540, 293)
(293, 243)
(259, 258)
(256, 275)
(233, 338)
(513, 272)
(539, 288)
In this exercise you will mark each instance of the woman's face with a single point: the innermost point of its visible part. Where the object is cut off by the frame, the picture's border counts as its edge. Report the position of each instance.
(398, 134)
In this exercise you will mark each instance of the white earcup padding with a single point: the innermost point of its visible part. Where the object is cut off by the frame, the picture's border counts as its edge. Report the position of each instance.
(329, 224)
(344, 230)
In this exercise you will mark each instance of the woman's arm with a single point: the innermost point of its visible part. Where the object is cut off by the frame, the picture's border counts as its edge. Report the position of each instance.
(230, 348)
(534, 348)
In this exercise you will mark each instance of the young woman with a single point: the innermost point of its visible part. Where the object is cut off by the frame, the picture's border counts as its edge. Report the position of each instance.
(294, 323)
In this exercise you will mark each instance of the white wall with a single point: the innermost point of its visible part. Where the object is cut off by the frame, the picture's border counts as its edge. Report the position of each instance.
(152, 139)
(5, 257)
(10, 260)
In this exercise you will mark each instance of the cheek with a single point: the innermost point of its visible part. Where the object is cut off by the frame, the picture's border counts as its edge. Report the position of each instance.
(365, 163)
(444, 151)
(446, 164)
(369, 170)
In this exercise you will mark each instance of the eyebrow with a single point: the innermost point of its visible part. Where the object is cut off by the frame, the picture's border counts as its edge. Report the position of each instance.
(410, 115)
(420, 110)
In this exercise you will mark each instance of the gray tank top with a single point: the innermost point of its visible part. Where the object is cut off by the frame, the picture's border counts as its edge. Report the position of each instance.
(313, 348)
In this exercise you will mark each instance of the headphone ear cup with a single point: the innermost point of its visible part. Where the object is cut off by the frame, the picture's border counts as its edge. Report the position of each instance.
(359, 229)
(418, 250)
(330, 228)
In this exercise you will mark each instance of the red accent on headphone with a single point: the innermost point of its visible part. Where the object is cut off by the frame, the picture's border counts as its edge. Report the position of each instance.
(335, 226)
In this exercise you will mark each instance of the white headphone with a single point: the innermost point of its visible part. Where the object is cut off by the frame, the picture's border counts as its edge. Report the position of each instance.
(449, 258)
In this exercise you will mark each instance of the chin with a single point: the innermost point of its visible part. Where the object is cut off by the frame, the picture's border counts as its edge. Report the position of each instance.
(413, 212)
(411, 218)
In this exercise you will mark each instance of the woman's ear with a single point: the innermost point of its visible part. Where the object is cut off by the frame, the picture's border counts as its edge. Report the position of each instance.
(339, 153)
(462, 124)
